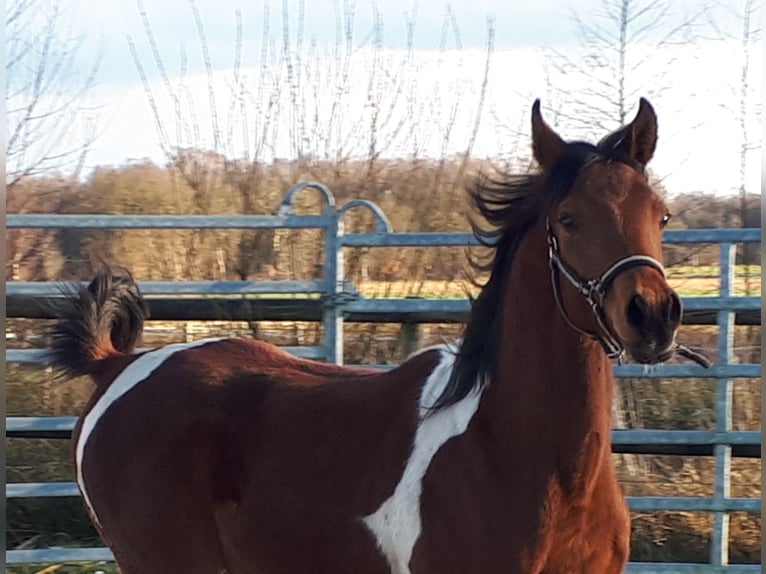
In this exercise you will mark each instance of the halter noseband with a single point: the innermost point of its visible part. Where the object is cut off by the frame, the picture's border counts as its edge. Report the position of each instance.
(594, 290)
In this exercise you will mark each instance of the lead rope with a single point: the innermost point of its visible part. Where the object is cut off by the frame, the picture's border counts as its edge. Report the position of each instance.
(698, 358)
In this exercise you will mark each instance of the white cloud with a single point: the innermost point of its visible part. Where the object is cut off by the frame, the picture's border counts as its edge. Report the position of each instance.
(428, 106)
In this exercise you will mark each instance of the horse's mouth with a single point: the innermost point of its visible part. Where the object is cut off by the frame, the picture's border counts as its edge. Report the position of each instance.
(652, 358)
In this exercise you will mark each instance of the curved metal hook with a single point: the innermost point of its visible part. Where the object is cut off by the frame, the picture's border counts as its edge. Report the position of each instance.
(286, 205)
(382, 223)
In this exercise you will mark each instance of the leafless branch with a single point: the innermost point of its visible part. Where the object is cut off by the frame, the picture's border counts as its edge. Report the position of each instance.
(49, 126)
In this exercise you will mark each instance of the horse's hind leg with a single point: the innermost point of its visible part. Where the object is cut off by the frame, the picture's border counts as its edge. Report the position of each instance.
(224, 514)
(175, 537)
(186, 550)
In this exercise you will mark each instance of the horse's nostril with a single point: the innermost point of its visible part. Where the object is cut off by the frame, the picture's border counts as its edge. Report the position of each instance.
(642, 316)
(637, 311)
(674, 308)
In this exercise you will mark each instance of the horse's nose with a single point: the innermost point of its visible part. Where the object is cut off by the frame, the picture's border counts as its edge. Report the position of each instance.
(638, 309)
(645, 317)
(673, 309)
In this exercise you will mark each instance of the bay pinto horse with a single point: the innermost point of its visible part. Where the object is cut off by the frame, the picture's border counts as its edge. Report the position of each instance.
(490, 455)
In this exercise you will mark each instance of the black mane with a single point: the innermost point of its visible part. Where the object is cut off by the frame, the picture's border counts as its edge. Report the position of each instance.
(510, 204)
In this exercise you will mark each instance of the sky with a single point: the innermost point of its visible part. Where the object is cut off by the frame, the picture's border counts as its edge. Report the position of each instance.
(428, 101)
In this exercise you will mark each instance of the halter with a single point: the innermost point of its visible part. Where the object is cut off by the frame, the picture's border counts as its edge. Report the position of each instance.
(594, 290)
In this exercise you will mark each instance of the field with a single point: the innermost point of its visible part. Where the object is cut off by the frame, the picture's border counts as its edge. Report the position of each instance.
(669, 536)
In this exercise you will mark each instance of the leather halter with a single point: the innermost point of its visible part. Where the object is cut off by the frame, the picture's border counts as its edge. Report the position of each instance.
(594, 290)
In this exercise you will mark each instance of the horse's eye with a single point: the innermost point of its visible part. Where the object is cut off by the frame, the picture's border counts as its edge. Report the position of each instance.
(567, 222)
(665, 220)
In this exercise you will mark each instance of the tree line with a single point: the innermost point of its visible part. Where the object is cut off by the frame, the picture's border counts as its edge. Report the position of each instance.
(416, 195)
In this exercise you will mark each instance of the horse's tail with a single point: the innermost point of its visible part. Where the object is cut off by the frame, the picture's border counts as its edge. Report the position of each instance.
(96, 323)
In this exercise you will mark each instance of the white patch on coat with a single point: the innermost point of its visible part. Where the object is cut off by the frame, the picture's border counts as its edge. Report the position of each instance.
(396, 525)
(136, 372)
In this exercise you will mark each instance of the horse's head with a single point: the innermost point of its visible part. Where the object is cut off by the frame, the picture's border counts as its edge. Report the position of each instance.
(604, 226)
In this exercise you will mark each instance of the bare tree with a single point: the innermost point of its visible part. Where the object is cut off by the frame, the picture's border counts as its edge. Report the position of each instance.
(750, 40)
(748, 98)
(747, 103)
(316, 106)
(620, 40)
(45, 91)
(745, 107)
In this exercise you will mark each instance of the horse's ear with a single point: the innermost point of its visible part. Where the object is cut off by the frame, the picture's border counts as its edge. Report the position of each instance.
(638, 139)
(547, 146)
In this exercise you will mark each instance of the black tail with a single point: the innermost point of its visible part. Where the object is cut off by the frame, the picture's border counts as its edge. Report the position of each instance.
(102, 320)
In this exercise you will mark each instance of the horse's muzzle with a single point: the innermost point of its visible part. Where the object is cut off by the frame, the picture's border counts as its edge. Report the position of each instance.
(655, 325)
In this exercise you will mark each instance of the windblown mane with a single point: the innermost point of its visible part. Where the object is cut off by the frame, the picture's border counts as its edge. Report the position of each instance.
(509, 204)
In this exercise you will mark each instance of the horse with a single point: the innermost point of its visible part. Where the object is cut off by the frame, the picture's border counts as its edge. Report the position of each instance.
(484, 455)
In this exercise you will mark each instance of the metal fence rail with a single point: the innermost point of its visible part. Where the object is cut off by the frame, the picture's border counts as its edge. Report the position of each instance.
(336, 300)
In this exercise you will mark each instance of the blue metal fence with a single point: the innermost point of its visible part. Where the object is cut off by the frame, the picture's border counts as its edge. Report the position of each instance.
(339, 299)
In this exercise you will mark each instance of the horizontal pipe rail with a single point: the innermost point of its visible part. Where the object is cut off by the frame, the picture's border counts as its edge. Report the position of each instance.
(683, 568)
(619, 436)
(444, 239)
(745, 444)
(693, 504)
(58, 555)
(68, 555)
(84, 221)
(357, 303)
(41, 490)
(636, 503)
(149, 288)
(291, 221)
(39, 356)
(656, 436)
(735, 371)
(415, 305)
(307, 307)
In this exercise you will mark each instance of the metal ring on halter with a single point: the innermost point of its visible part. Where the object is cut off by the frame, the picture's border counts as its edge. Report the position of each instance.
(594, 290)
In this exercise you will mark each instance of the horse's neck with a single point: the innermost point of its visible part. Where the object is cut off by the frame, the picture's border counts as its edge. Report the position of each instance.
(552, 386)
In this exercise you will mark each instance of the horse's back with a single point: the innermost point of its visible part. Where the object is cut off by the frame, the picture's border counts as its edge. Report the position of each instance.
(219, 360)
(258, 357)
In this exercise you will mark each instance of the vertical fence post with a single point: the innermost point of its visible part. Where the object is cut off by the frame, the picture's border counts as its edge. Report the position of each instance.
(332, 314)
(334, 273)
(332, 309)
(723, 399)
(410, 341)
